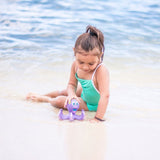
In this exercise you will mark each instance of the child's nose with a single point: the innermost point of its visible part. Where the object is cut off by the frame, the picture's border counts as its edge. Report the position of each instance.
(86, 67)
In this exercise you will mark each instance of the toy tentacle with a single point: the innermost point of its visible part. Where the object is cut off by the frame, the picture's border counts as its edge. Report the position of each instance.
(62, 116)
(80, 117)
(71, 116)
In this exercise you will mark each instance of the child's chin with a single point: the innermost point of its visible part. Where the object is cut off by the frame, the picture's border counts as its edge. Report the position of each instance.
(87, 71)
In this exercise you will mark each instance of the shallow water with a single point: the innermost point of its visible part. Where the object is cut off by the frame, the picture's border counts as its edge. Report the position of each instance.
(36, 41)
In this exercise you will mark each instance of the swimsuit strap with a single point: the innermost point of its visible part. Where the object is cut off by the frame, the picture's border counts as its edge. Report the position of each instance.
(96, 70)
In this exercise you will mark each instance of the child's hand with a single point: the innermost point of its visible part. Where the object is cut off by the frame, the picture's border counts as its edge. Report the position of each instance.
(94, 120)
(68, 100)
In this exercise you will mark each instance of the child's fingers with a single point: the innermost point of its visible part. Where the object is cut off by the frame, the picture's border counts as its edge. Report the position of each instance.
(65, 103)
(74, 97)
(94, 120)
(68, 100)
(78, 100)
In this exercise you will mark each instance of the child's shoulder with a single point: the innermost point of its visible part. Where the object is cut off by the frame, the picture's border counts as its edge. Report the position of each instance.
(102, 70)
(103, 67)
(74, 66)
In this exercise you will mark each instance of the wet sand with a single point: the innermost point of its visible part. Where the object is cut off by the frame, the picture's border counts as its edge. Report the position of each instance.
(32, 131)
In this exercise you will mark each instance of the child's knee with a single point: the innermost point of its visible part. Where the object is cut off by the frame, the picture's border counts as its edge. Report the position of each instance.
(63, 92)
(57, 102)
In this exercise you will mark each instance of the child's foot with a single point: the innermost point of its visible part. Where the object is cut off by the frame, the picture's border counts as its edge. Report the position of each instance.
(37, 98)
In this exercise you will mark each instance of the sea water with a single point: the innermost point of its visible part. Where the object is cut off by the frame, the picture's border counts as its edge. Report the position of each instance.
(36, 52)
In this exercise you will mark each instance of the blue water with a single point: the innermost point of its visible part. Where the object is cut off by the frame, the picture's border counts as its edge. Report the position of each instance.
(36, 26)
(37, 37)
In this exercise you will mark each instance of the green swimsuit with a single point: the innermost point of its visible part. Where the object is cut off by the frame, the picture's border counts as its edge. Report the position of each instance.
(89, 92)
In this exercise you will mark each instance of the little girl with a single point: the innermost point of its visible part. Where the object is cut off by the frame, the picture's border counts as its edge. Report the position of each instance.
(90, 72)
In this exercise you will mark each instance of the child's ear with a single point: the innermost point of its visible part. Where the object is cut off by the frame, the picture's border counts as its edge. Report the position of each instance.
(74, 50)
(102, 54)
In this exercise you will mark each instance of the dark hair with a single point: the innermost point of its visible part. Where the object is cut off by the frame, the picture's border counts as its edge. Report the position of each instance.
(92, 38)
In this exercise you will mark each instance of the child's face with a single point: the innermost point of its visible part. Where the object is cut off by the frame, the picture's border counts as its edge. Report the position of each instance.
(87, 61)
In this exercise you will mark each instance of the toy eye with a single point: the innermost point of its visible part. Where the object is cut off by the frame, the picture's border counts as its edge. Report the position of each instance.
(73, 103)
(77, 104)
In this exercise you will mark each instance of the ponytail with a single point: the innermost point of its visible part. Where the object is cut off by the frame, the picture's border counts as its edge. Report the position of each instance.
(99, 35)
(92, 38)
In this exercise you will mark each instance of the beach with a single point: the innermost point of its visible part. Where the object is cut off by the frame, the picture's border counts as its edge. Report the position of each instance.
(32, 131)
(36, 53)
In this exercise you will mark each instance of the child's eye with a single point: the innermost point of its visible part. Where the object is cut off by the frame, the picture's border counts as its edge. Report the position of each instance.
(91, 64)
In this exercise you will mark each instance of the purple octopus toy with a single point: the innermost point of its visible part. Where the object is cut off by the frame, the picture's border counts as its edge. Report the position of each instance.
(72, 108)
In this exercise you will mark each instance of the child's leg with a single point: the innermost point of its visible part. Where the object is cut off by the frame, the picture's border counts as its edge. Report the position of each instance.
(82, 105)
(45, 98)
(57, 93)
(60, 100)
(38, 98)
(63, 93)
(57, 98)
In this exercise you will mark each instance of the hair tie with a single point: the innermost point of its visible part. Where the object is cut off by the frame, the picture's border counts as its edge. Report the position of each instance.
(93, 34)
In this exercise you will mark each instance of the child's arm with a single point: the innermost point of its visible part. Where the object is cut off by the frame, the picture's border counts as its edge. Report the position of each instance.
(72, 84)
(103, 86)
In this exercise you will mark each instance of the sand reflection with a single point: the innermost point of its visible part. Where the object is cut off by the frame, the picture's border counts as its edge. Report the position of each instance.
(86, 141)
